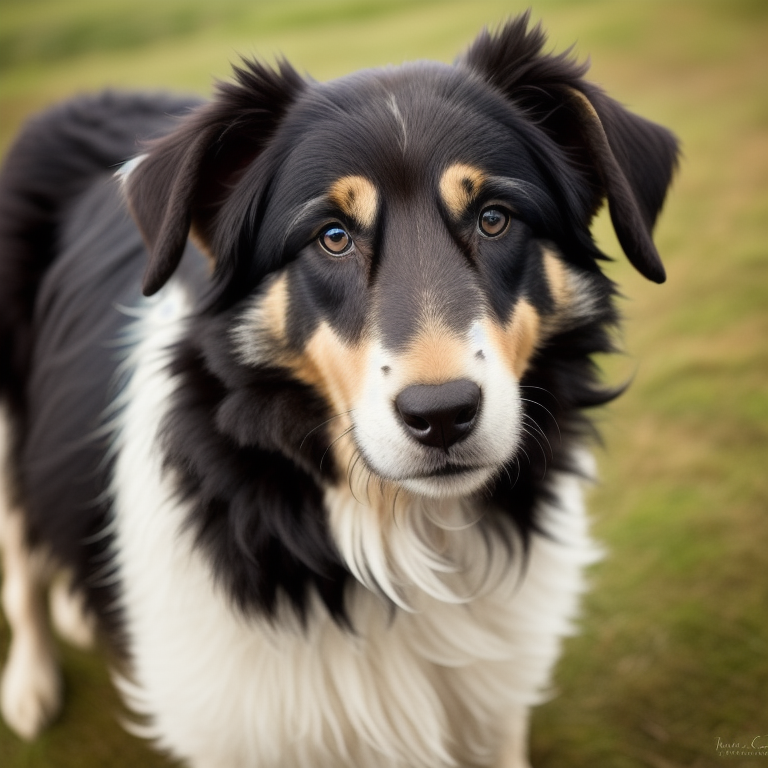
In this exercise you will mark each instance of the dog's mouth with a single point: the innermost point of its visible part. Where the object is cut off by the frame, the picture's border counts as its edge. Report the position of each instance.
(433, 473)
(447, 470)
(447, 479)
(432, 470)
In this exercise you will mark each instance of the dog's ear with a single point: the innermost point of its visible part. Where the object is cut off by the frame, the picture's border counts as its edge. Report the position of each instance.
(627, 160)
(183, 180)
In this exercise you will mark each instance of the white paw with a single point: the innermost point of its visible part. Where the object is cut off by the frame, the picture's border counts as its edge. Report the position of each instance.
(30, 693)
(72, 621)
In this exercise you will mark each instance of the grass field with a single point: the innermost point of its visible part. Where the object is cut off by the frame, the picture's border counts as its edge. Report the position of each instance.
(673, 652)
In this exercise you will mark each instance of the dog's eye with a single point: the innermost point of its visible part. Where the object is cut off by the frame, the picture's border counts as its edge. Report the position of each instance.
(493, 221)
(335, 240)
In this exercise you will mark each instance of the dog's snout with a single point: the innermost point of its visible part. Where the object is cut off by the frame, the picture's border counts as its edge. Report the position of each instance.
(439, 415)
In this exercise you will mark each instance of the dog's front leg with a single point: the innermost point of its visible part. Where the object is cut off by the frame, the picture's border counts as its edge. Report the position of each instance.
(30, 692)
(514, 751)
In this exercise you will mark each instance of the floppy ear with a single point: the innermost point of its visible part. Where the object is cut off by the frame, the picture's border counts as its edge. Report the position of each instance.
(627, 160)
(185, 177)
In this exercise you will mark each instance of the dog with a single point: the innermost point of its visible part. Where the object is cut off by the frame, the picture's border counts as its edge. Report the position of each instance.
(296, 386)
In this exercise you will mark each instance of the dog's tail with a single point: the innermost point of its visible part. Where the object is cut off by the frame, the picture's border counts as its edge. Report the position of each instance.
(54, 160)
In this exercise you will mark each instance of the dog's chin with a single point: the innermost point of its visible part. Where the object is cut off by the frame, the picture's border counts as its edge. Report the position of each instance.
(437, 477)
(456, 483)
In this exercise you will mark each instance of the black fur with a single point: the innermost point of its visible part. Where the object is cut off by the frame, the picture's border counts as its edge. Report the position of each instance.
(70, 255)
(247, 443)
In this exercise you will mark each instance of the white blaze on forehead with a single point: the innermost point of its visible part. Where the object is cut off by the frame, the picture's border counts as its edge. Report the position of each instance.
(395, 110)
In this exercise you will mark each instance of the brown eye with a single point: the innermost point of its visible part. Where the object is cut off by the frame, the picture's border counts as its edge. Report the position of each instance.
(493, 221)
(336, 240)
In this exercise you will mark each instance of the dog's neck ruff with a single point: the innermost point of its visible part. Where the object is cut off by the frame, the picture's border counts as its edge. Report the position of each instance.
(327, 696)
(409, 547)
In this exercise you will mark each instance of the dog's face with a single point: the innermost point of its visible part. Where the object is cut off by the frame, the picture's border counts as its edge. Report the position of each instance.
(406, 242)
(417, 230)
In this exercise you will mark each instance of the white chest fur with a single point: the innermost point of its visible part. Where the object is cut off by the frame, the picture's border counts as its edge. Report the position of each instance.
(438, 682)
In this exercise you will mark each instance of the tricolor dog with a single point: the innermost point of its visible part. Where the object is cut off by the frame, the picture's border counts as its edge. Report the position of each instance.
(296, 385)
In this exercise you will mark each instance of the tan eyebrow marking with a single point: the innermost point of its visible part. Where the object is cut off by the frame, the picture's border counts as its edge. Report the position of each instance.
(459, 186)
(356, 197)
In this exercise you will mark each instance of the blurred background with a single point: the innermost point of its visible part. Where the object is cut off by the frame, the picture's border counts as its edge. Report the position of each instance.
(671, 662)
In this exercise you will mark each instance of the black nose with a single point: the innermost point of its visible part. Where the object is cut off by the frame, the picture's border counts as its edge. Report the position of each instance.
(439, 415)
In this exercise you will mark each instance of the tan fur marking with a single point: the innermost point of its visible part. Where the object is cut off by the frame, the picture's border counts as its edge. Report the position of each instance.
(557, 279)
(336, 370)
(357, 198)
(434, 357)
(459, 186)
(333, 367)
(261, 336)
(273, 308)
(572, 302)
(518, 339)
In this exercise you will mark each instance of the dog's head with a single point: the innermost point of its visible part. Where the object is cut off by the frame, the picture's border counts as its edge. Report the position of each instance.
(409, 243)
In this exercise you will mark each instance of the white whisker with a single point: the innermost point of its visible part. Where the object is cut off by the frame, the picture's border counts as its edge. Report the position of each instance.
(332, 443)
(554, 420)
(541, 448)
(532, 423)
(327, 421)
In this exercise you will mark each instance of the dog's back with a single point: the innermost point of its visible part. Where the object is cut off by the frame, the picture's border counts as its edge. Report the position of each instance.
(71, 258)
(56, 158)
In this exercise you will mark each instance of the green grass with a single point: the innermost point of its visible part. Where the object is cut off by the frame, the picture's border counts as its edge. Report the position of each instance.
(673, 649)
